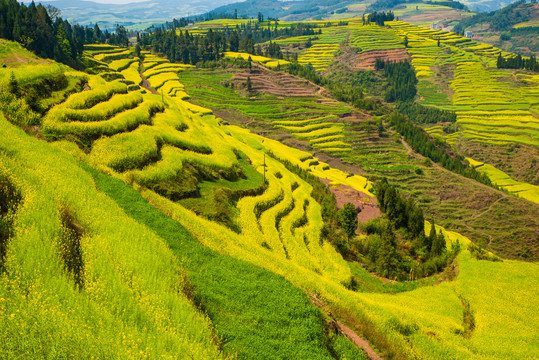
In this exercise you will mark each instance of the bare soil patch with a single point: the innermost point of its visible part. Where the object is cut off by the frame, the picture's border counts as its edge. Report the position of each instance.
(346, 194)
(367, 59)
(277, 83)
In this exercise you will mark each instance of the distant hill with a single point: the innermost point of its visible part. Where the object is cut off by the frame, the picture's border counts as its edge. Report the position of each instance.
(108, 15)
(284, 10)
(486, 5)
(152, 11)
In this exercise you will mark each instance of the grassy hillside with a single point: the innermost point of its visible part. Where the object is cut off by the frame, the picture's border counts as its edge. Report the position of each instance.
(165, 230)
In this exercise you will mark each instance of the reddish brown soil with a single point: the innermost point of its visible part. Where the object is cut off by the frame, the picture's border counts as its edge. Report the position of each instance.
(145, 83)
(277, 83)
(366, 60)
(346, 194)
(358, 341)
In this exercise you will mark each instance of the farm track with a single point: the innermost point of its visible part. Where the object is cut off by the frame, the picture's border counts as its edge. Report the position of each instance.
(358, 341)
(145, 83)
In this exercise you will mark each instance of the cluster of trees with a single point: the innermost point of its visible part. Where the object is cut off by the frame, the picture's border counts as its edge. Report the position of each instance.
(421, 114)
(401, 79)
(41, 30)
(181, 46)
(451, 4)
(32, 26)
(435, 149)
(384, 4)
(518, 62)
(188, 49)
(379, 18)
(385, 250)
(402, 212)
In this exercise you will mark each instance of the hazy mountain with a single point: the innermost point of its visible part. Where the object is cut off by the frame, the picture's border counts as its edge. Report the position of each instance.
(88, 12)
(108, 15)
(486, 5)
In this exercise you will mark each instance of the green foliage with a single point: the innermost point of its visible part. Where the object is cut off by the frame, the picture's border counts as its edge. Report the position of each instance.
(388, 260)
(348, 219)
(17, 110)
(13, 85)
(421, 114)
(503, 19)
(482, 254)
(401, 78)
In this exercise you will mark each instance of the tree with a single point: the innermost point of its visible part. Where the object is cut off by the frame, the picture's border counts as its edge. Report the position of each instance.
(250, 63)
(249, 84)
(388, 259)
(260, 17)
(348, 219)
(380, 127)
(438, 244)
(63, 48)
(54, 12)
(13, 85)
(432, 236)
(405, 42)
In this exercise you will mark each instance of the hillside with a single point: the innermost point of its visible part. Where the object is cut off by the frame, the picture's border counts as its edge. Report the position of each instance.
(514, 28)
(201, 209)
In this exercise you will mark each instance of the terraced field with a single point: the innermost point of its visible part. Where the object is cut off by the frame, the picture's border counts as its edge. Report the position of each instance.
(321, 53)
(305, 114)
(175, 232)
(373, 37)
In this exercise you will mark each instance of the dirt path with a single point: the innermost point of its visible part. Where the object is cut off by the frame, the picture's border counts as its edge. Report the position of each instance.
(345, 330)
(358, 341)
(145, 83)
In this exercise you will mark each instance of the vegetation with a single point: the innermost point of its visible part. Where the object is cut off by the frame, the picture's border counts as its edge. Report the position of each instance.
(435, 149)
(41, 30)
(518, 62)
(138, 220)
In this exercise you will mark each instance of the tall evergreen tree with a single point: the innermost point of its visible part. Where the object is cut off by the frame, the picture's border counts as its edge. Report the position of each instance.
(388, 259)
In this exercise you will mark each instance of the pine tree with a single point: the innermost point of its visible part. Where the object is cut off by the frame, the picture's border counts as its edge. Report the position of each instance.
(13, 85)
(432, 236)
(388, 259)
(438, 244)
(249, 85)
